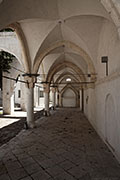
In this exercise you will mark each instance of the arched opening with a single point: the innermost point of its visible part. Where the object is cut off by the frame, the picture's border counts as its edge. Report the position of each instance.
(69, 98)
(111, 127)
(56, 68)
(40, 56)
(11, 88)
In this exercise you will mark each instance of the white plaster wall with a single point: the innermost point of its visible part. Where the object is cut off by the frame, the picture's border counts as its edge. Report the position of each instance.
(0, 97)
(17, 99)
(90, 104)
(50, 96)
(109, 45)
(111, 126)
(104, 114)
(101, 117)
(41, 102)
(69, 98)
(9, 42)
(102, 92)
(11, 87)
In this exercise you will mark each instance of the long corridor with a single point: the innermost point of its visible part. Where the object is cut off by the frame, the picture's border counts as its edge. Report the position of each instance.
(64, 146)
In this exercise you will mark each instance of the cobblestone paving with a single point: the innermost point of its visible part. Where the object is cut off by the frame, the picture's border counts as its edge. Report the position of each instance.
(64, 146)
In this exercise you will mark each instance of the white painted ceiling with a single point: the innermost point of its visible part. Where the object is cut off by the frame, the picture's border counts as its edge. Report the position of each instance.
(45, 22)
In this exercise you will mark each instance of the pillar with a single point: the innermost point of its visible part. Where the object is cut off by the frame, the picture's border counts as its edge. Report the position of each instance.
(36, 96)
(30, 108)
(46, 99)
(30, 100)
(60, 100)
(12, 101)
(57, 98)
(82, 99)
(23, 99)
(8, 95)
(54, 98)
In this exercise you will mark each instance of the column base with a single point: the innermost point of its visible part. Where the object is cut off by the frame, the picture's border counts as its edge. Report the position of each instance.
(29, 125)
(46, 113)
(53, 108)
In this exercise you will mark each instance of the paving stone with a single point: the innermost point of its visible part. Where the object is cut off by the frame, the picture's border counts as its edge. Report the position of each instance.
(63, 146)
(39, 158)
(27, 161)
(9, 157)
(12, 165)
(66, 165)
(27, 178)
(47, 163)
(22, 156)
(4, 177)
(86, 177)
(78, 172)
(54, 171)
(113, 172)
(42, 175)
(3, 169)
(18, 174)
(64, 176)
(106, 178)
(32, 168)
(58, 159)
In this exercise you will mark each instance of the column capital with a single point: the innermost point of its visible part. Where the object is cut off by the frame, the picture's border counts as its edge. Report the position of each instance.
(30, 79)
(46, 87)
(57, 90)
(53, 89)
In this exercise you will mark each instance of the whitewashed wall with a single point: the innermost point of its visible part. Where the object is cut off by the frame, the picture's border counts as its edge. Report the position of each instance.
(103, 107)
(17, 99)
(69, 98)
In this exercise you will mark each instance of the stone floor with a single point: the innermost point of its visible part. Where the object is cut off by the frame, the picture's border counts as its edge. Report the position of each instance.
(10, 126)
(64, 146)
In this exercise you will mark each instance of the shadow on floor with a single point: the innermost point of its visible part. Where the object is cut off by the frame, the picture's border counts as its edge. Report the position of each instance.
(10, 131)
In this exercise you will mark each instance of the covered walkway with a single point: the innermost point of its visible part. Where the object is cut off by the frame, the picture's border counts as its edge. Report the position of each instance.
(64, 146)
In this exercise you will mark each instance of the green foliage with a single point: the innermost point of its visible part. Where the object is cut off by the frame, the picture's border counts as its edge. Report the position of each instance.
(5, 60)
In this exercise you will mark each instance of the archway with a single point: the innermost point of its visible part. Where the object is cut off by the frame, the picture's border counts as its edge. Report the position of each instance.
(40, 56)
(56, 68)
(10, 85)
(110, 123)
(69, 98)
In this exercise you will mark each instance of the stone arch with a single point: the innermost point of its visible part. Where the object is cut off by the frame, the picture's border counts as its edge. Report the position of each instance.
(111, 133)
(24, 46)
(9, 86)
(53, 70)
(67, 76)
(63, 75)
(112, 7)
(9, 51)
(69, 87)
(40, 56)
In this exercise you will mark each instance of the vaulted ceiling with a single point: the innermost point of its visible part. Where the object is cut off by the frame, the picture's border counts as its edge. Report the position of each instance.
(60, 37)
